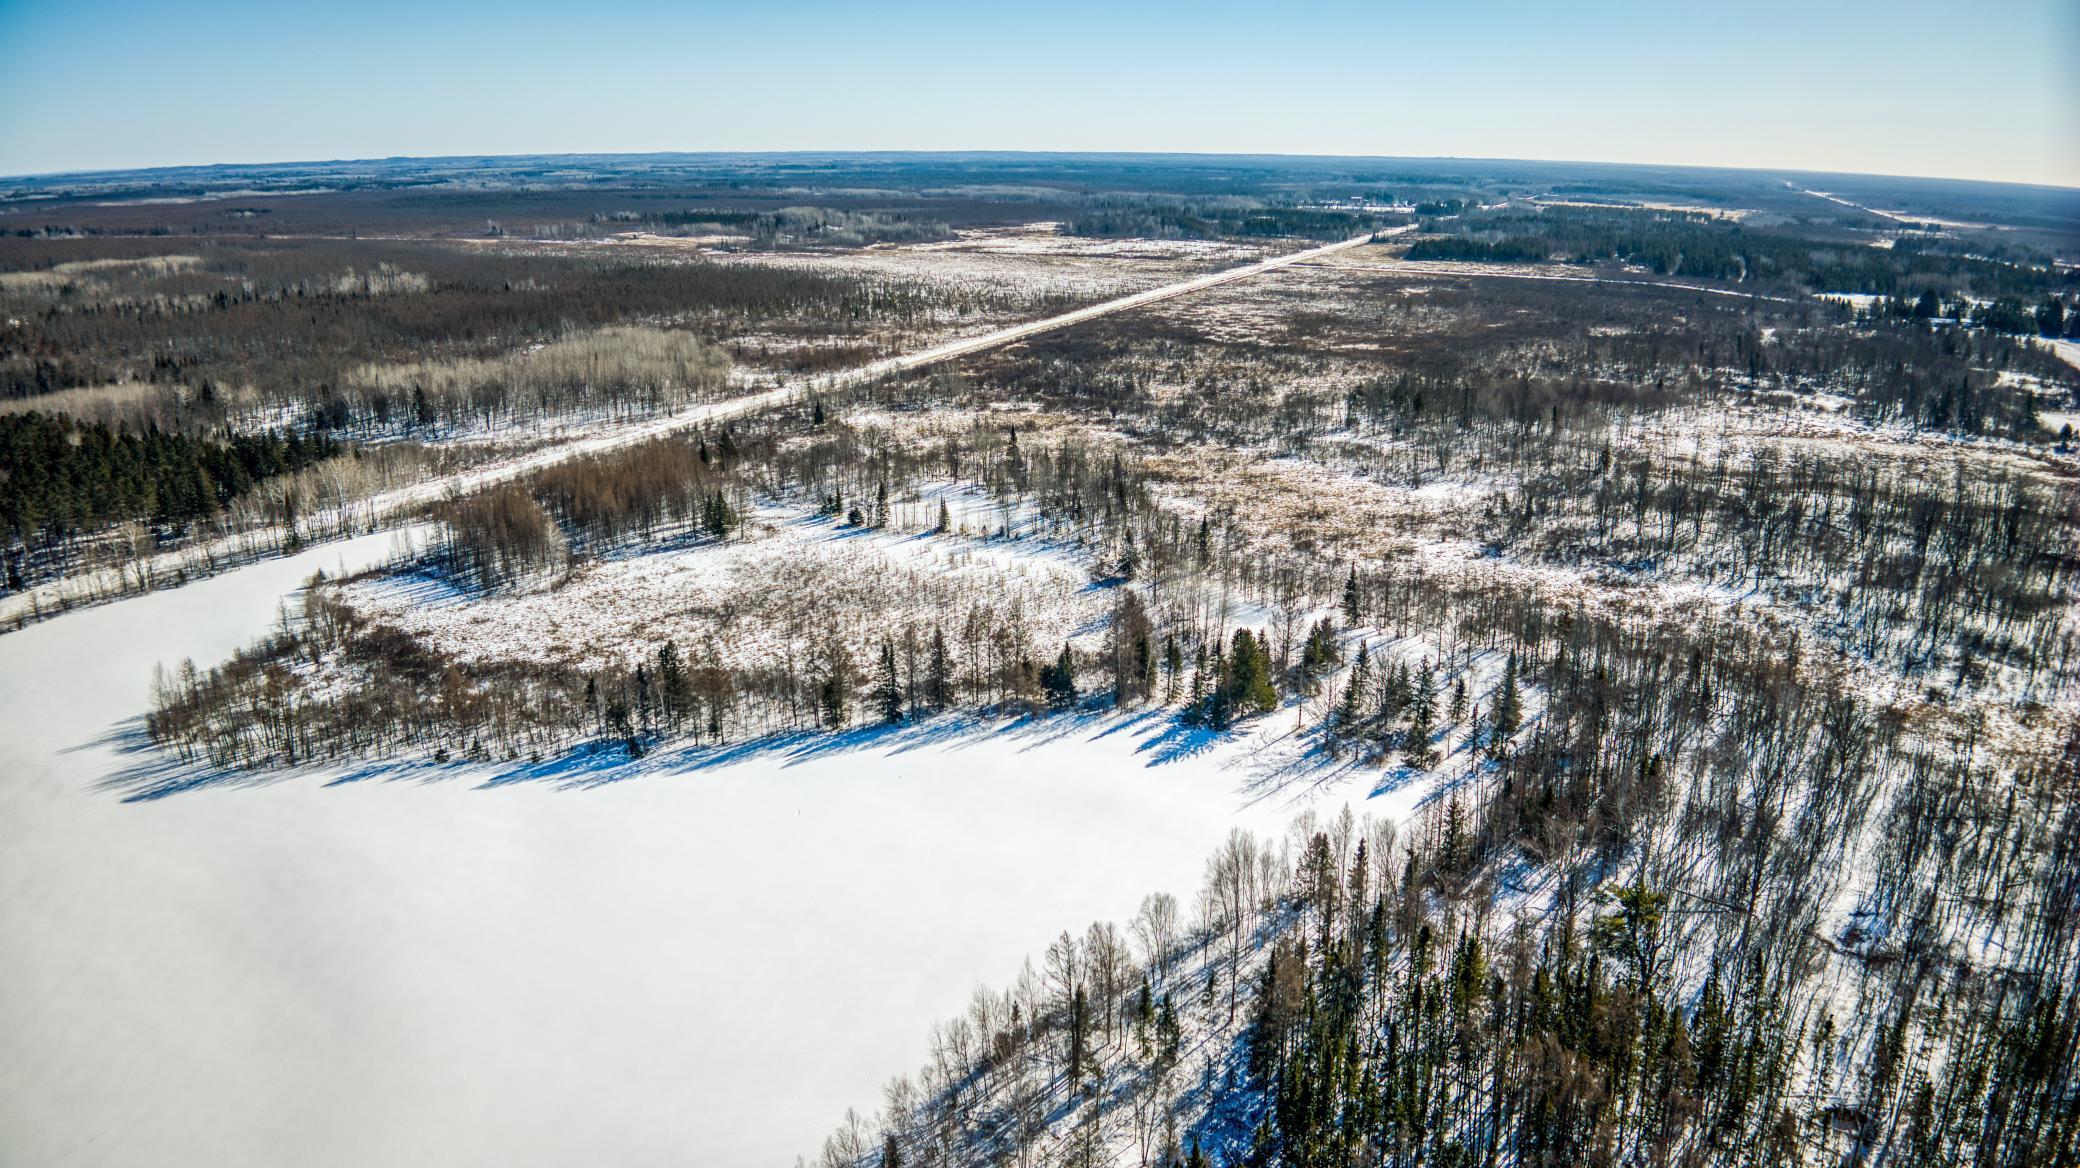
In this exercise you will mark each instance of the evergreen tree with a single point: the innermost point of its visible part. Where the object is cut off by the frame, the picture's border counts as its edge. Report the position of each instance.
(716, 517)
(1058, 681)
(888, 694)
(1358, 688)
(1351, 600)
(1415, 748)
(1509, 704)
(677, 686)
(1247, 687)
(938, 677)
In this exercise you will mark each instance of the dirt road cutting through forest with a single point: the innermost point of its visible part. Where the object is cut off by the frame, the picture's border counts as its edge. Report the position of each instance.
(173, 567)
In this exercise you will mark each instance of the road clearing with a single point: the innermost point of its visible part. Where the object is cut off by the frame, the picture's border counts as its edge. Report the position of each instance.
(178, 566)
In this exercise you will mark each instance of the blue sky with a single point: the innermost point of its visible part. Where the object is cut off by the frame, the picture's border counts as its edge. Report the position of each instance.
(1899, 88)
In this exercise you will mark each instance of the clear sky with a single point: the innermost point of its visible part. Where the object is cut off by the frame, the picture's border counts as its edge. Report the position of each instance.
(1904, 87)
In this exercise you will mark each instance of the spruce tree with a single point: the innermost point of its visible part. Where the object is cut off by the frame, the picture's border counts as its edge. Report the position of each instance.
(1509, 711)
(1059, 679)
(1415, 748)
(1248, 689)
(889, 693)
(677, 686)
(1354, 694)
(938, 678)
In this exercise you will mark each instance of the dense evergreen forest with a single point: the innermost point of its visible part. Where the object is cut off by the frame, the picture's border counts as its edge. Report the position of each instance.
(64, 477)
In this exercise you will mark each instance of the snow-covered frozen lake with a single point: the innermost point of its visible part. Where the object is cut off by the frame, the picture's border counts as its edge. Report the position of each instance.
(685, 966)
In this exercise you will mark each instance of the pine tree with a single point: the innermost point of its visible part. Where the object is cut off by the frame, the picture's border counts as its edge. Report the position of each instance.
(945, 518)
(1509, 711)
(1351, 599)
(881, 504)
(677, 687)
(1415, 748)
(1059, 680)
(1360, 686)
(889, 693)
(938, 677)
(1247, 687)
(716, 516)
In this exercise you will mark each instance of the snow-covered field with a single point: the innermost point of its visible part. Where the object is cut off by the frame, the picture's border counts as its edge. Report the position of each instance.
(789, 580)
(666, 964)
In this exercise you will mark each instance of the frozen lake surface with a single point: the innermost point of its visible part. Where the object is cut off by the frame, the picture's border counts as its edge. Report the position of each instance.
(667, 964)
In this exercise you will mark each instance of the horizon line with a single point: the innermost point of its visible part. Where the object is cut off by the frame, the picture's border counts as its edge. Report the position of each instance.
(861, 152)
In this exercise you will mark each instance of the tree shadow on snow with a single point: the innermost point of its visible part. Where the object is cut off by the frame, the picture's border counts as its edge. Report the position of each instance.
(147, 773)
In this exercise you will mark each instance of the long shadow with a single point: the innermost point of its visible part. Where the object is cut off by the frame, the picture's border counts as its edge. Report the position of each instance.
(147, 773)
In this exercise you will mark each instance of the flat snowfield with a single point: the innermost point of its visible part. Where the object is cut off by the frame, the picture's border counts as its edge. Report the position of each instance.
(664, 964)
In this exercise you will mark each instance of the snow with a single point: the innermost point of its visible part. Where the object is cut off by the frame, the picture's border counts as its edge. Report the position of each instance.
(697, 960)
(775, 590)
(388, 504)
(2067, 350)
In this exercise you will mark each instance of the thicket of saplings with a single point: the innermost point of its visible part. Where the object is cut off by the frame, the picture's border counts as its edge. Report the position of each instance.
(1674, 243)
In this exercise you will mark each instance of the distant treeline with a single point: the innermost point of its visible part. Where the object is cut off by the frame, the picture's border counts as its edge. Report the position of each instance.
(1683, 244)
(62, 477)
(787, 227)
(1222, 219)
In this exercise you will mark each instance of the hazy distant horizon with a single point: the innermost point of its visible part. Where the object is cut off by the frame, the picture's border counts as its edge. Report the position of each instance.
(1911, 89)
(991, 152)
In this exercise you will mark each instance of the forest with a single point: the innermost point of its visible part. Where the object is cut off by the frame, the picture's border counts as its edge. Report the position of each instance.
(1700, 246)
(64, 477)
(1121, 216)
(1719, 634)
